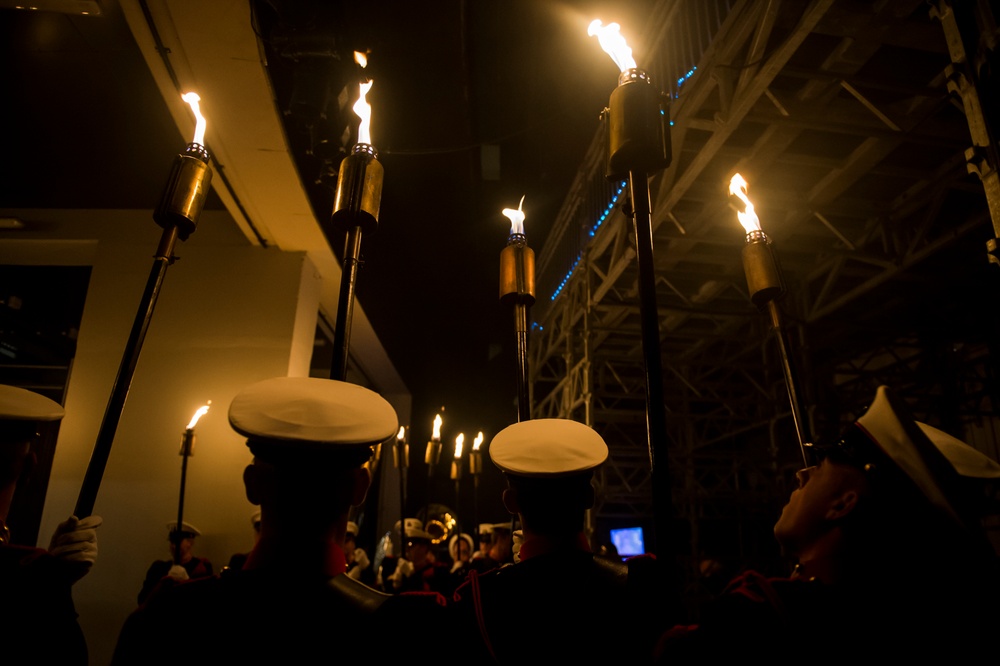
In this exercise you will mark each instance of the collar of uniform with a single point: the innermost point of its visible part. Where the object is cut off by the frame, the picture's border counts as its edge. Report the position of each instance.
(535, 545)
(269, 553)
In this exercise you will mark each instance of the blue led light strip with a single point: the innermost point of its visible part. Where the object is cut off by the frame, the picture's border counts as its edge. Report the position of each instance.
(590, 232)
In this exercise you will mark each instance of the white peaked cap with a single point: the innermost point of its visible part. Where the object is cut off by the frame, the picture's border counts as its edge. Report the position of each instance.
(547, 448)
(310, 410)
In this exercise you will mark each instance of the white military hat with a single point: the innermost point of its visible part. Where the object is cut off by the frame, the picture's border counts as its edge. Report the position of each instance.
(966, 460)
(312, 413)
(18, 404)
(926, 455)
(547, 448)
(186, 528)
(485, 528)
(352, 528)
(414, 529)
(453, 545)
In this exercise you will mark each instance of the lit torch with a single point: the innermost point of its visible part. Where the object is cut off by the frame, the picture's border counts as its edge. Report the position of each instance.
(187, 450)
(456, 463)
(355, 208)
(401, 459)
(432, 454)
(638, 142)
(517, 288)
(475, 469)
(765, 286)
(178, 211)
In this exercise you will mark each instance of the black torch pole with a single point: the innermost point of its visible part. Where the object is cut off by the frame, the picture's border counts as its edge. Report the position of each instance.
(517, 287)
(638, 143)
(765, 285)
(178, 212)
(355, 208)
(656, 415)
(187, 447)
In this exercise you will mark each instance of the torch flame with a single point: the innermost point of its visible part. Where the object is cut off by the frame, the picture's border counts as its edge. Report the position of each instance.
(748, 218)
(361, 59)
(613, 43)
(197, 415)
(363, 110)
(516, 218)
(476, 443)
(401, 435)
(437, 428)
(192, 99)
(459, 441)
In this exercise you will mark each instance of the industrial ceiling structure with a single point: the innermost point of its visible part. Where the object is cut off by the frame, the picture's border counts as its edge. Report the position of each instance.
(866, 147)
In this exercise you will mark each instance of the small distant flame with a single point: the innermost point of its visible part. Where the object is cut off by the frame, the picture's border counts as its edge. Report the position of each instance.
(361, 59)
(459, 442)
(748, 218)
(193, 99)
(401, 435)
(613, 43)
(437, 428)
(197, 415)
(476, 443)
(516, 218)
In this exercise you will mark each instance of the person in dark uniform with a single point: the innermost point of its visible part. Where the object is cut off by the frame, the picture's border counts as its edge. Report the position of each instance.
(891, 559)
(420, 570)
(558, 604)
(38, 620)
(359, 567)
(237, 560)
(183, 567)
(310, 439)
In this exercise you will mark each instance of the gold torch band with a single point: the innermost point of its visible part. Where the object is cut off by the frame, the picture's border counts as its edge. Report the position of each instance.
(359, 189)
(517, 271)
(187, 188)
(763, 276)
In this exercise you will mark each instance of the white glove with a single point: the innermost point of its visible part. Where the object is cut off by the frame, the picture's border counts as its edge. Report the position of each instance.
(404, 569)
(361, 559)
(516, 548)
(178, 573)
(75, 542)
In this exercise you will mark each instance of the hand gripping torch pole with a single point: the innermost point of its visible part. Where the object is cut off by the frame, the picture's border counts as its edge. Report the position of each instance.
(355, 208)
(638, 141)
(178, 212)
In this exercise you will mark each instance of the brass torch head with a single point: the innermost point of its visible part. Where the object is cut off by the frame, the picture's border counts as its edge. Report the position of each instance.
(517, 271)
(433, 452)
(763, 277)
(475, 463)
(637, 127)
(187, 443)
(359, 189)
(456, 470)
(187, 188)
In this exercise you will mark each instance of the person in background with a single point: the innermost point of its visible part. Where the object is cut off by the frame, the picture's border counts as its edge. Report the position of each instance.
(182, 565)
(38, 620)
(485, 540)
(359, 567)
